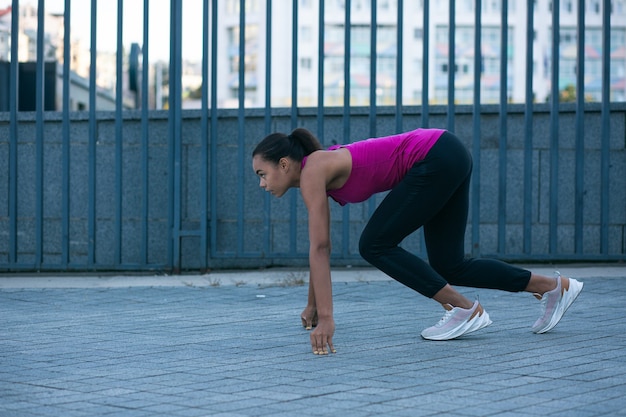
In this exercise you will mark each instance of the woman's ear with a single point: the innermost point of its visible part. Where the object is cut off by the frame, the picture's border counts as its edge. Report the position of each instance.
(283, 164)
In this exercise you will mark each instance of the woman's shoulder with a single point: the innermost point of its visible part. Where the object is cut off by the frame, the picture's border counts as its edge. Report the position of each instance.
(329, 164)
(329, 156)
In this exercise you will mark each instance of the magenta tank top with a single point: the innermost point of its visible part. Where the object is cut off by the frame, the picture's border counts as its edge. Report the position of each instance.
(378, 164)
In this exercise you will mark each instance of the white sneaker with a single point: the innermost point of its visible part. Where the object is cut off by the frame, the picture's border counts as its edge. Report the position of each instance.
(554, 303)
(457, 322)
(480, 321)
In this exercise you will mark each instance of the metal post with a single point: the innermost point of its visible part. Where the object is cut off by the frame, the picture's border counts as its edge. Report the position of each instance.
(476, 132)
(528, 126)
(502, 151)
(554, 129)
(119, 107)
(39, 148)
(65, 152)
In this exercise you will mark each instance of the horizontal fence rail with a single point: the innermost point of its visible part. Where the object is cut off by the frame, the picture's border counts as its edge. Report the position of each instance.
(131, 182)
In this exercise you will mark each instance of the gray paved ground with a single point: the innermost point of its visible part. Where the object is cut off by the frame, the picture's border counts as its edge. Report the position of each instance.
(183, 349)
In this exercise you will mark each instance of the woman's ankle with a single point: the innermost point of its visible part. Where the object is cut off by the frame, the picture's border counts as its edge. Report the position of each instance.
(540, 284)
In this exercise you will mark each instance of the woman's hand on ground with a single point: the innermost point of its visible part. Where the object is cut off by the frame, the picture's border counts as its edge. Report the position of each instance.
(322, 337)
(309, 317)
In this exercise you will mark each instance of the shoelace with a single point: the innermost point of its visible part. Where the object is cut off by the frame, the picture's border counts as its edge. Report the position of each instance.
(544, 304)
(444, 319)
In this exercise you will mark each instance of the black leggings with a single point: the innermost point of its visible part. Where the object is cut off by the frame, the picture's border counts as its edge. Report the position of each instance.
(434, 194)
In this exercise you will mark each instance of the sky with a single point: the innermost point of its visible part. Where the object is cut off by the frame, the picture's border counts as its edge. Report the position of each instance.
(133, 24)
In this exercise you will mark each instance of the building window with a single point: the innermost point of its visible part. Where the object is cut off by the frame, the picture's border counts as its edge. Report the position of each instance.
(595, 6)
(363, 5)
(306, 63)
(305, 33)
(463, 67)
(468, 5)
(618, 37)
(569, 7)
(568, 37)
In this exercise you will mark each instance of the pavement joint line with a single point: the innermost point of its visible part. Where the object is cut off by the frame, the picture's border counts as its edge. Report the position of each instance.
(178, 350)
(281, 277)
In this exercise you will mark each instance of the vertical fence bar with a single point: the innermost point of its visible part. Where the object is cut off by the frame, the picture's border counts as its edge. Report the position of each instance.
(93, 138)
(426, 62)
(241, 119)
(451, 63)
(606, 126)
(346, 119)
(320, 72)
(145, 132)
(580, 128)
(213, 148)
(65, 152)
(293, 230)
(171, 158)
(346, 70)
(39, 110)
(399, 63)
(554, 129)
(502, 149)
(294, 65)
(119, 103)
(267, 221)
(175, 121)
(373, 62)
(373, 84)
(268, 68)
(204, 138)
(476, 129)
(13, 102)
(528, 125)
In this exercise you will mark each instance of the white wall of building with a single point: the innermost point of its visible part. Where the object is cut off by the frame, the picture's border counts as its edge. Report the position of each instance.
(334, 54)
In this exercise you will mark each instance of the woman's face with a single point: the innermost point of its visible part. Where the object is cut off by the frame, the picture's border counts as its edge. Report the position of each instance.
(273, 178)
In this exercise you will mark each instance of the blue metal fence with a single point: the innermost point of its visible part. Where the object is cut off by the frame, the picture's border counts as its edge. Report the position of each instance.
(204, 230)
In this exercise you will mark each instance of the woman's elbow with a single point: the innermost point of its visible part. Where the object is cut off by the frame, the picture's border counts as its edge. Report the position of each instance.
(320, 249)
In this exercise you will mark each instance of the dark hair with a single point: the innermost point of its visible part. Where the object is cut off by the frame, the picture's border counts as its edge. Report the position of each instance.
(296, 146)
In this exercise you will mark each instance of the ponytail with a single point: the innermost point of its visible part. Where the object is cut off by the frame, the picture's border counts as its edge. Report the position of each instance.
(296, 145)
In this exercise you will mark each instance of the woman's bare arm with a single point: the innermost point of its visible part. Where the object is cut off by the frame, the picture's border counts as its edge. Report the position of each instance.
(313, 188)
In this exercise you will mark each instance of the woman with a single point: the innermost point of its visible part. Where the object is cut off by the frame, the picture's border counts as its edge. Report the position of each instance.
(428, 174)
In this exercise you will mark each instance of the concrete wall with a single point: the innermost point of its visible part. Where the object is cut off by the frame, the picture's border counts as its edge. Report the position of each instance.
(253, 230)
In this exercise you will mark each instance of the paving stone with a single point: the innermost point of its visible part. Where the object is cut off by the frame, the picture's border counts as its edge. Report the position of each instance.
(224, 351)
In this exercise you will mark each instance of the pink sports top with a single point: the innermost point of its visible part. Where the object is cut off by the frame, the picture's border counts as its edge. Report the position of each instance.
(378, 164)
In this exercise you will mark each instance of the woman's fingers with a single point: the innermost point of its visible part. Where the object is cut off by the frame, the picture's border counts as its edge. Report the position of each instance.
(308, 320)
(322, 340)
(323, 347)
(306, 323)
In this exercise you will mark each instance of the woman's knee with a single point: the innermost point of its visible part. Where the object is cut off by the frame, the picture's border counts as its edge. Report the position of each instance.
(365, 249)
(369, 248)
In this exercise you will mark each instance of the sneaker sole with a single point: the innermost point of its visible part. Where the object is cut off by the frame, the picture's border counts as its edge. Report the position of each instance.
(575, 288)
(477, 323)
